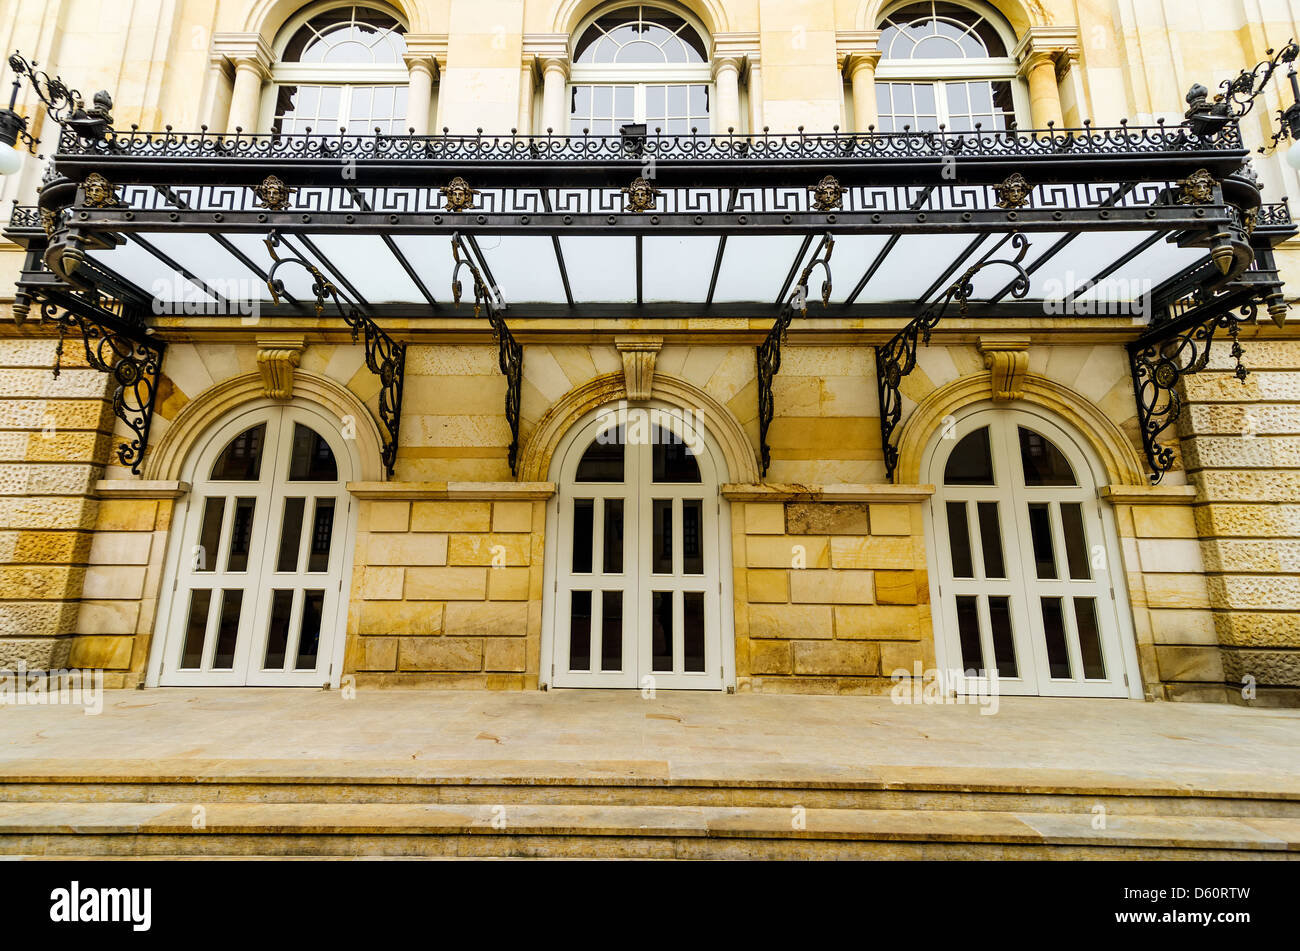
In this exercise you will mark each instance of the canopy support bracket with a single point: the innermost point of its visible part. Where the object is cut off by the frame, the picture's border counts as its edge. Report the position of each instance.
(897, 358)
(510, 355)
(117, 345)
(769, 351)
(385, 357)
(1165, 355)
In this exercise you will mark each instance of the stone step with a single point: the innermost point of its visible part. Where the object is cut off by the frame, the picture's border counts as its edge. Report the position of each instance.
(110, 829)
(1047, 792)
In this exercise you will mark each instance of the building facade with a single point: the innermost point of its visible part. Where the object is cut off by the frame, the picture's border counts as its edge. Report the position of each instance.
(659, 507)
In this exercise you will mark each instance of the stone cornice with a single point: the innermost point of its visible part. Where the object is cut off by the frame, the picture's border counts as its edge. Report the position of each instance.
(1148, 494)
(140, 489)
(428, 49)
(883, 492)
(401, 491)
(246, 48)
(1057, 42)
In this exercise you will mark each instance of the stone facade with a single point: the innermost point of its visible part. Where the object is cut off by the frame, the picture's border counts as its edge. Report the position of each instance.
(829, 562)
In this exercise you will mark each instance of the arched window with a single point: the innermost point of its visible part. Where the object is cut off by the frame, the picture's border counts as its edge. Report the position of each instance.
(339, 66)
(945, 64)
(634, 64)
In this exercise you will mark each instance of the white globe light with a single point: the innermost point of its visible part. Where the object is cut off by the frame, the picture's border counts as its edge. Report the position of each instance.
(1293, 155)
(11, 160)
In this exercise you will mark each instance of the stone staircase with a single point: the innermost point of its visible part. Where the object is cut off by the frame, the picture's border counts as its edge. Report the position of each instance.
(251, 809)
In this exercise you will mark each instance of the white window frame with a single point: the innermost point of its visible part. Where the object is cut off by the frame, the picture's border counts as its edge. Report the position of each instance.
(639, 75)
(342, 75)
(938, 72)
(1110, 584)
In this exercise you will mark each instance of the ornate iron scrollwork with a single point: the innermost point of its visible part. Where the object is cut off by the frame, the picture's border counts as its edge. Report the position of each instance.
(897, 358)
(510, 354)
(128, 354)
(385, 357)
(1162, 357)
(769, 351)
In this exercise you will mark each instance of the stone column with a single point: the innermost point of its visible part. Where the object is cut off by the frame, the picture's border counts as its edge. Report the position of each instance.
(419, 96)
(1039, 69)
(555, 79)
(726, 78)
(525, 123)
(1039, 52)
(754, 85)
(246, 102)
(861, 70)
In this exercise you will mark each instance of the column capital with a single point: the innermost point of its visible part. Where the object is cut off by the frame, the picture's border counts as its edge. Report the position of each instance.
(243, 49)
(721, 63)
(554, 64)
(856, 49)
(426, 51)
(1059, 44)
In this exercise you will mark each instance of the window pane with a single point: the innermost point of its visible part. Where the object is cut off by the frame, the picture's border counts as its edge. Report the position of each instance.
(241, 460)
(991, 540)
(673, 459)
(693, 631)
(1085, 620)
(613, 539)
(611, 630)
(583, 515)
(603, 460)
(322, 533)
(959, 541)
(1040, 531)
(290, 535)
(1044, 464)
(662, 550)
(195, 628)
(692, 537)
(1076, 541)
(241, 535)
(1058, 655)
(277, 634)
(661, 630)
(971, 462)
(1004, 645)
(228, 629)
(312, 459)
(205, 559)
(580, 630)
(313, 606)
(968, 632)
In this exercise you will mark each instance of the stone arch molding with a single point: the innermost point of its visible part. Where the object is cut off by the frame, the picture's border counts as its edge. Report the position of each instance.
(1021, 14)
(737, 451)
(166, 459)
(569, 13)
(1113, 449)
(268, 16)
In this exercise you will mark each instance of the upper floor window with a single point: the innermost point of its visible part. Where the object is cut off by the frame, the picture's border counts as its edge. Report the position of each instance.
(945, 64)
(635, 64)
(340, 67)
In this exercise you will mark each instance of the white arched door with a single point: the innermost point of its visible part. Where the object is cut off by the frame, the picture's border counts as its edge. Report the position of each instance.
(1023, 560)
(635, 570)
(258, 570)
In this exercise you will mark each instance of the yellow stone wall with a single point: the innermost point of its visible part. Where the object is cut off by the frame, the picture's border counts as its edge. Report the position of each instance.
(1213, 577)
(835, 595)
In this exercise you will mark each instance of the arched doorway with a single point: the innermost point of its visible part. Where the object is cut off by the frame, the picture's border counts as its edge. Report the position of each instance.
(1024, 561)
(637, 564)
(262, 551)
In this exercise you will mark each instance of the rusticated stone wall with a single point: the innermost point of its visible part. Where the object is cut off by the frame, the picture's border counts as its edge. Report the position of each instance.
(834, 596)
(54, 436)
(446, 591)
(1241, 447)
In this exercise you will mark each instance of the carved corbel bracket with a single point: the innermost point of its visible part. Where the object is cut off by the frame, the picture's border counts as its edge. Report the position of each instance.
(277, 357)
(639, 352)
(1007, 360)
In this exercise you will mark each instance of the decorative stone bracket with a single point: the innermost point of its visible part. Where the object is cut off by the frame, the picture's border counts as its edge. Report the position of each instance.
(1007, 359)
(277, 357)
(639, 363)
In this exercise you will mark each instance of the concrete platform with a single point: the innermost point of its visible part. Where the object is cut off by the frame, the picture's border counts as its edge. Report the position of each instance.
(401, 773)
